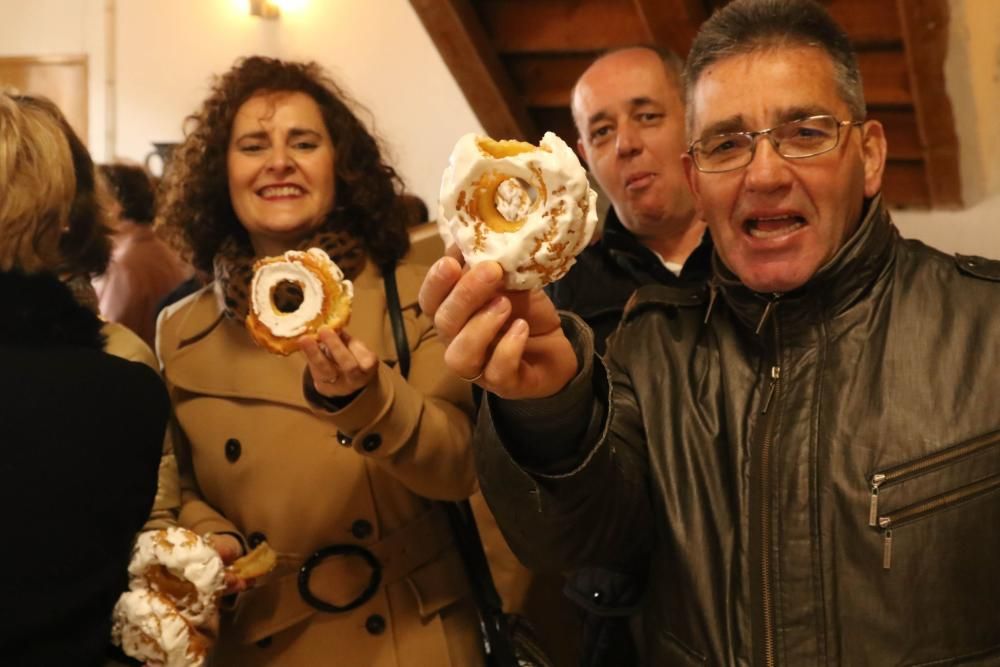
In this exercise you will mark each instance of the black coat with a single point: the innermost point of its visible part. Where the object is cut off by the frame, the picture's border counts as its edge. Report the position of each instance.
(81, 435)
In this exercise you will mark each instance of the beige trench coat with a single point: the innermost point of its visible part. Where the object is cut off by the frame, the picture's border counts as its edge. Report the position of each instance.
(258, 460)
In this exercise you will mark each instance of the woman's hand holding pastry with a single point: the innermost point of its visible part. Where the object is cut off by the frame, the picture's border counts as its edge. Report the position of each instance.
(338, 363)
(508, 342)
(229, 549)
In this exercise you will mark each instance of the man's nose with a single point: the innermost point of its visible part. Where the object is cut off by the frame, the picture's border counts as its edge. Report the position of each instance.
(767, 170)
(629, 141)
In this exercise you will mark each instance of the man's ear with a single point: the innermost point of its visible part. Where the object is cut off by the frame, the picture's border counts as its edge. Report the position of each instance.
(581, 151)
(873, 153)
(691, 173)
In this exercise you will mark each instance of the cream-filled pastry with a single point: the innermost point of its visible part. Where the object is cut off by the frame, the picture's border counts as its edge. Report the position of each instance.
(530, 208)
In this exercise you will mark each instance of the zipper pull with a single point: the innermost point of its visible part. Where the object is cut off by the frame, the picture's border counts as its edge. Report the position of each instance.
(886, 523)
(775, 376)
(763, 317)
(877, 479)
(713, 292)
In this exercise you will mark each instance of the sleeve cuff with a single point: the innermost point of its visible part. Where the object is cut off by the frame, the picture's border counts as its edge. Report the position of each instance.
(545, 435)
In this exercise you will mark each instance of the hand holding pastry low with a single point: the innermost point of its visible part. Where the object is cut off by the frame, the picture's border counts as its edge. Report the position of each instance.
(175, 581)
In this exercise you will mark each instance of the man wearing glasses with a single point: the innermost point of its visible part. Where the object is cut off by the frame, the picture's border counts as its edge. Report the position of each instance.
(809, 448)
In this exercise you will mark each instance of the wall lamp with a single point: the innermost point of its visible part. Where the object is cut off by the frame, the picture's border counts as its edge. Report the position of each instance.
(265, 9)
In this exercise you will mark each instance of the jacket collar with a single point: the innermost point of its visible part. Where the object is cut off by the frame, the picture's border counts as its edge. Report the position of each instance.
(632, 256)
(39, 309)
(835, 287)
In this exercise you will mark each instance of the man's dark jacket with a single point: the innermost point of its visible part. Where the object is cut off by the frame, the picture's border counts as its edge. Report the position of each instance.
(596, 289)
(607, 273)
(816, 475)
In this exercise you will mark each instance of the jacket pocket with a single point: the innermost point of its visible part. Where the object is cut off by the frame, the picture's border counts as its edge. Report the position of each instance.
(438, 583)
(901, 473)
(888, 522)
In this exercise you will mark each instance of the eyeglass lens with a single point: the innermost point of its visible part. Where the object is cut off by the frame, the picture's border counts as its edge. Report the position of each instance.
(795, 139)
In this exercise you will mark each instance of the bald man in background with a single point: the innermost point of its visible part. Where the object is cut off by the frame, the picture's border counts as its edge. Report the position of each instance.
(628, 107)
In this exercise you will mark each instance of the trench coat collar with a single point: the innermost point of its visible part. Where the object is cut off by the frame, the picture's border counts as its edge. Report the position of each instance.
(215, 355)
(866, 257)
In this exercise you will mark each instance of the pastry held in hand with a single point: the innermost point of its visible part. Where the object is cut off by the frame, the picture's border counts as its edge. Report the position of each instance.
(180, 565)
(150, 629)
(530, 208)
(325, 298)
(255, 564)
(175, 580)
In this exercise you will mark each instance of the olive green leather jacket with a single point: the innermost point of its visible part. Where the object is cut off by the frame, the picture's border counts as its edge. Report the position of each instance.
(814, 476)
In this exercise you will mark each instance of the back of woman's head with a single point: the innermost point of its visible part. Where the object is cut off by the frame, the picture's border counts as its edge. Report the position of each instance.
(196, 209)
(85, 241)
(38, 184)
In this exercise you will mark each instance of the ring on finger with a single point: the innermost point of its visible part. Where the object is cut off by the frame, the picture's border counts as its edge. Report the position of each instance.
(474, 378)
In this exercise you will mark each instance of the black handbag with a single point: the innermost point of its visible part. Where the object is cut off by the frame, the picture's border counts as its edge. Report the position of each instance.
(508, 640)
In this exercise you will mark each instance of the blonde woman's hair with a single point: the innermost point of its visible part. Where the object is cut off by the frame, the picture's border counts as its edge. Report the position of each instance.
(38, 185)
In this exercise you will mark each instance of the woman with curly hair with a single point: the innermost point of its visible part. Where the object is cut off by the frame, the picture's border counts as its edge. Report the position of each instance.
(330, 455)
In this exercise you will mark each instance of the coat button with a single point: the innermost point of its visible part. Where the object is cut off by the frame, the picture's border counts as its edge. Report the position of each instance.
(343, 439)
(371, 442)
(233, 450)
(375, 624)
(361, 529)
(254, 539)
(265, 642)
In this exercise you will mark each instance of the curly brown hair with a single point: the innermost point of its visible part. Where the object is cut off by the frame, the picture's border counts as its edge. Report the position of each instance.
(197, 213)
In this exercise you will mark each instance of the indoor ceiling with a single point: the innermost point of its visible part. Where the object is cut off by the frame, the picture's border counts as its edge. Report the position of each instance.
(516, 62)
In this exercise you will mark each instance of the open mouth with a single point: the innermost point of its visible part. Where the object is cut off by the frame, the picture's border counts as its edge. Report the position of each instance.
(280, 191)
(773, 226)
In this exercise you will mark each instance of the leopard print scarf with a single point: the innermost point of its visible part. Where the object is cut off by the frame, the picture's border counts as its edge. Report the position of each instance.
(234, 267)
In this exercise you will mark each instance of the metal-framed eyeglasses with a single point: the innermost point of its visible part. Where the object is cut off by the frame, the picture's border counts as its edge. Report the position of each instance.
(794, 140)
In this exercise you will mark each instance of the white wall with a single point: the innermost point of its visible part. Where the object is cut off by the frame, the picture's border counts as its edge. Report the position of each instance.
(376, 49)
(167, 51)
(61, 28)
(972, 75)
(972, 231)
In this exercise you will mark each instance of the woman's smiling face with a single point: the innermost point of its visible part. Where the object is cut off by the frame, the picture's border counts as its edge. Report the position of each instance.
(280, 168)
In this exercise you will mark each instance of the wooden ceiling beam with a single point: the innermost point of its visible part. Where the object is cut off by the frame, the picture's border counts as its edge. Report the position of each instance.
(904, 184)
(671, 24)
(561, 25)
(885, 77)
(546, 81)
(868, 23)
(925, 36)
(465, 48)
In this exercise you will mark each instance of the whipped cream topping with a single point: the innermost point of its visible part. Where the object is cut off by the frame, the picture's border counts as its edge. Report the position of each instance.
(270, 275)
(543, 226)
(149, 628)
(188, 558)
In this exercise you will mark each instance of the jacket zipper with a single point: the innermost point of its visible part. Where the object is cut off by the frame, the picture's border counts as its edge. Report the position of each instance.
(765, 519)
(767, 601)
(926, 464)
(921, 509)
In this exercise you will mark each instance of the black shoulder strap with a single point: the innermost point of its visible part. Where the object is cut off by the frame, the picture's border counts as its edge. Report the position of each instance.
(499, 649)
(396, 317)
